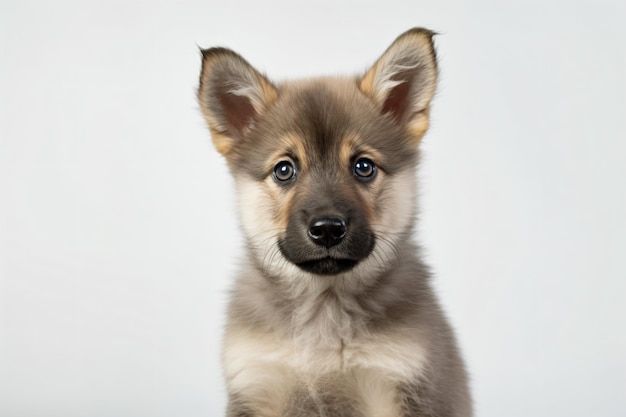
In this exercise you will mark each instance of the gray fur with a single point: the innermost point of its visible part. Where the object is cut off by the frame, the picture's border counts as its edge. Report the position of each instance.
(369, 341)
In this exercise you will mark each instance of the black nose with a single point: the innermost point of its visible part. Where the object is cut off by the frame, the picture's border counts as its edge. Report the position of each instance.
(327, 231)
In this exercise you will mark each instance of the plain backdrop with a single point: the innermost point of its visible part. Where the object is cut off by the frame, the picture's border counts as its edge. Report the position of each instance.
(119, 235)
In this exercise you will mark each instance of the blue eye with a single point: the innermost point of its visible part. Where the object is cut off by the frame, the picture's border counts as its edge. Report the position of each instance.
(284, 171)
(364, 169)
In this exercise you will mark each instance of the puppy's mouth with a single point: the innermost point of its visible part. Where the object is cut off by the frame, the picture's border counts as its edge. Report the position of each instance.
(327, 265)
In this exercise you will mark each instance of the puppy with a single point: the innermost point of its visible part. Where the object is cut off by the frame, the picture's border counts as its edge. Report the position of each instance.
(332, 312)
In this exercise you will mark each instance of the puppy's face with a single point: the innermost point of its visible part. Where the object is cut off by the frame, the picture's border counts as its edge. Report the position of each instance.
(324, 168)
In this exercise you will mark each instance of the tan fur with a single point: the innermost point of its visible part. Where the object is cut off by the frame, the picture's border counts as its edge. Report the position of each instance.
(419, 125)
(295, 144)
(221, 141)
(346, 149)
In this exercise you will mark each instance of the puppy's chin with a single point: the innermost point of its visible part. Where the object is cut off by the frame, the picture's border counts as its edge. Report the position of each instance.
(327, 261)
(327, 265)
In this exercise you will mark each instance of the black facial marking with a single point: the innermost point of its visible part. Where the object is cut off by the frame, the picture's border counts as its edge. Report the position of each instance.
(327, 232)
(327, 266)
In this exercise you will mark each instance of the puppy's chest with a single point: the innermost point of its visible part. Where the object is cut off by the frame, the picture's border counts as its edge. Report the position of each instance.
(283, 376)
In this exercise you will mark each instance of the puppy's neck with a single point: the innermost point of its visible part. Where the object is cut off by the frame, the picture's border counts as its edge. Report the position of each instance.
(332, 310)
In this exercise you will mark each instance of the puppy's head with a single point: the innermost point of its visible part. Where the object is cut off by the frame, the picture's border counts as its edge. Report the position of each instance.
(324, 168)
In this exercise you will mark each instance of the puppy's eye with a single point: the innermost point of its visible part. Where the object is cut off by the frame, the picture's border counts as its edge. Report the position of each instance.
(284, 171)
(364, 169)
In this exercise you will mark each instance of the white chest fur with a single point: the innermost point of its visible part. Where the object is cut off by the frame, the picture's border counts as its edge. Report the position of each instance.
(265, 369)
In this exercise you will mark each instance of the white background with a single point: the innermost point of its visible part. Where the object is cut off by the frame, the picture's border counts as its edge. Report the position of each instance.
(119, 233)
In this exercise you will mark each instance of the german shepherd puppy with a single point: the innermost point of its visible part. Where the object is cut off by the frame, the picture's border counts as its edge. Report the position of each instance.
(332, 313)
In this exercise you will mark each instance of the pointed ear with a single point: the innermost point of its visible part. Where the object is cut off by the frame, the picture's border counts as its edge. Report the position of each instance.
(402, 82)
(232, 95)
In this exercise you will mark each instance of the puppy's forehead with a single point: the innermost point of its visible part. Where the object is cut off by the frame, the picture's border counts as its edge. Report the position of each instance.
(323, 113)
(322, 121)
